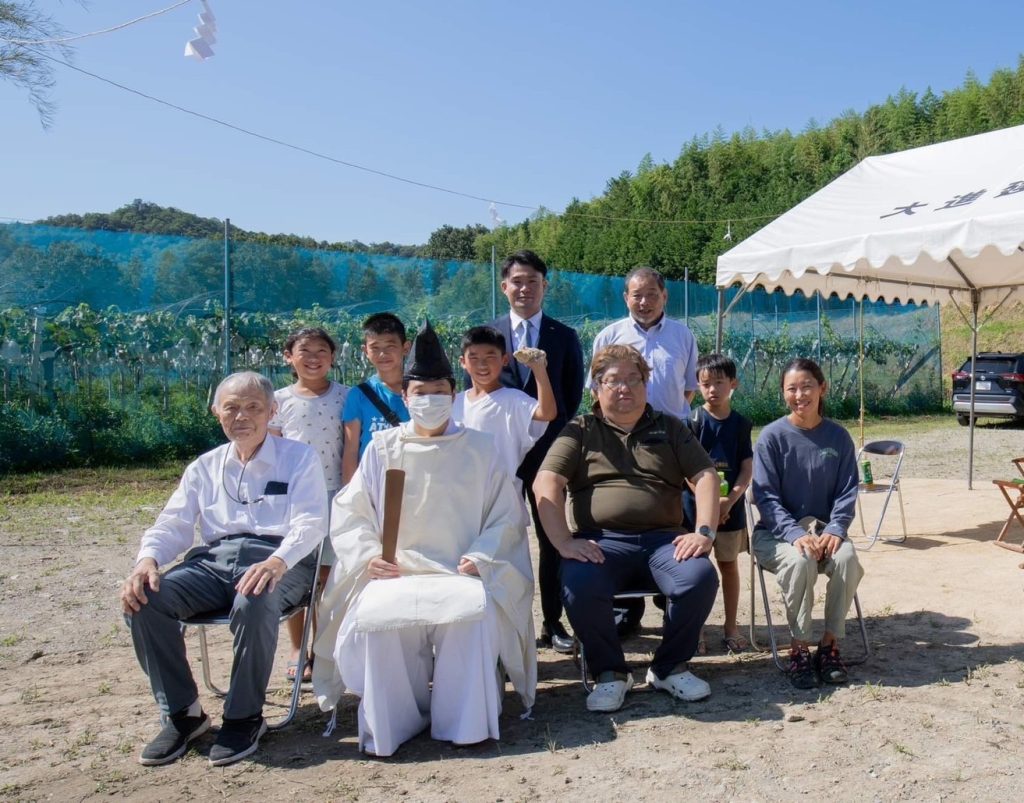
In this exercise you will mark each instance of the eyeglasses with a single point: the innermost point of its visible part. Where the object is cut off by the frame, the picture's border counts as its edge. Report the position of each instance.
(631, 383)
(237, 497)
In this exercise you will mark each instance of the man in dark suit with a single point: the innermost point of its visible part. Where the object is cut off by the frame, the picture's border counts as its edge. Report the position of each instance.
(524, 282)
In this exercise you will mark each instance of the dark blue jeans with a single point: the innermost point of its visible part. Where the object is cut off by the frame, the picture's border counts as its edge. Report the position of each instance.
(637, 562)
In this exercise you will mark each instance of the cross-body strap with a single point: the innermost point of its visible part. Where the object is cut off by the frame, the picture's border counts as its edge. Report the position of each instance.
(696, 421)
(378, 402)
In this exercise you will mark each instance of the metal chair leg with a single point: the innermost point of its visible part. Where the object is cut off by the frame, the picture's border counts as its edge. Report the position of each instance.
(903, 515)
(204, 657)
(768, 617)
(753, 599)
(299, 671)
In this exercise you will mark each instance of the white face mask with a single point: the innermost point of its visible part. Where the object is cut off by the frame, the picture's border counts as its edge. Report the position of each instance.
(431, 411)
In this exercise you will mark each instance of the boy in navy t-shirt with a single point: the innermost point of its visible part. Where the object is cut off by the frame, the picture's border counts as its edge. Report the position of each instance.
(725, 436)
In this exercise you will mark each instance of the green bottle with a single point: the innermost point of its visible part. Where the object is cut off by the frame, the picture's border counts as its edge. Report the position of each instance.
(723, 484)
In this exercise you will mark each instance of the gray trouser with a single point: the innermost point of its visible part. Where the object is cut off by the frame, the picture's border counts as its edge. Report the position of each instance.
(796, 575)
(205, 582)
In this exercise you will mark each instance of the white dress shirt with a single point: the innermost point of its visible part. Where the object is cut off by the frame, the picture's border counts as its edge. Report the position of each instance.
(280, 492)
(670, 349)
(517, 333)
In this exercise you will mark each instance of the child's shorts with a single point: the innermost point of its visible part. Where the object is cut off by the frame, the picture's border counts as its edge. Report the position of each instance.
(729, 543)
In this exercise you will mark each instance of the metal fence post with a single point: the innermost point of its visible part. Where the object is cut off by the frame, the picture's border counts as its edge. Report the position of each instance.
(686, 295)
(227, 298)
(817, 300)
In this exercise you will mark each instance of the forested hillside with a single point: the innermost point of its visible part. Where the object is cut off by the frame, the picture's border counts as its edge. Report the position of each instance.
(738, 182)
(142, 217)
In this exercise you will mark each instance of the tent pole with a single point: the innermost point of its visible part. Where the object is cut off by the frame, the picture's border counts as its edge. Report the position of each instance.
(860, 371)
(975, 299)
(721, 317)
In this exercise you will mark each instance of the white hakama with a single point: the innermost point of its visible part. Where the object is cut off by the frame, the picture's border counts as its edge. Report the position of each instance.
(391, 672)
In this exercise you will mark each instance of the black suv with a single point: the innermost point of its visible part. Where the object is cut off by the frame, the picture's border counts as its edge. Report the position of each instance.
(998, 387)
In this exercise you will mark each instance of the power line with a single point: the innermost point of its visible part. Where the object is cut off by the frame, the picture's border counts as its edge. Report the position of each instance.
(281, 142)
(381, 173)
(76, 37)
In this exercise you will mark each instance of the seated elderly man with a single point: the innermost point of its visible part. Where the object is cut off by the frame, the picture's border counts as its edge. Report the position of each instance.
(625, 470)
(419, 638)
(260, 504)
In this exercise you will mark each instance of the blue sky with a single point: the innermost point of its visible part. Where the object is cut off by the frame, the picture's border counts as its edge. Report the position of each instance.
(529, 102)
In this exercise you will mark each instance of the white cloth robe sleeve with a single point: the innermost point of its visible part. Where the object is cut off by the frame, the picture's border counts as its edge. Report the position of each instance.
(499, 550)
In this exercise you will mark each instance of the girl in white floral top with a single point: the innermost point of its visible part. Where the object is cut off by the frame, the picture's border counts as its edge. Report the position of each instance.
(309, 410)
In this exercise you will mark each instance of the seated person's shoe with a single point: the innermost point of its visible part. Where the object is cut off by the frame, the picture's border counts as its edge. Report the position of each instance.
(801, 670)
(830, 666)
(554, 635)
(237, 739)
(609, 692)
(681, 685)
(173, 740)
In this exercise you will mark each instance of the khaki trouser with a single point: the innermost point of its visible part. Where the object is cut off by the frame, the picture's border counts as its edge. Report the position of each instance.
(797, 574)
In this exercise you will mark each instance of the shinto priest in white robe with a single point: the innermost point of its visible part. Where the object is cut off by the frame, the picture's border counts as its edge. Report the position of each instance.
(379, 638)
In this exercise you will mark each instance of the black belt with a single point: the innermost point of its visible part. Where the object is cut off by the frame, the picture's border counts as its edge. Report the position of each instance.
(270, 539)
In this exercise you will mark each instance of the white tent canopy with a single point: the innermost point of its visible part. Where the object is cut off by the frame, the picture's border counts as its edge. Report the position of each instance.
(922, 225)
(939, 223)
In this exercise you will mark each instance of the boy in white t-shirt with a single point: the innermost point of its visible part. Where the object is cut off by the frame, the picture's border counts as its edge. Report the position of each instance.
(309, 410)
(513, 418)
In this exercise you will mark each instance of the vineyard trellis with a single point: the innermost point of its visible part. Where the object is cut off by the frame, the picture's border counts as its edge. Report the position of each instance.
(147, 370)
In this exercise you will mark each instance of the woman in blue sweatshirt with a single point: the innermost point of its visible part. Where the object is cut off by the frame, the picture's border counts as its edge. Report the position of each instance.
(805, 488)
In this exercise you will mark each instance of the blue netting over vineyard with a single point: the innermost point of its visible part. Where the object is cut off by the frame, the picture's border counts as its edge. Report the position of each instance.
(130, 316)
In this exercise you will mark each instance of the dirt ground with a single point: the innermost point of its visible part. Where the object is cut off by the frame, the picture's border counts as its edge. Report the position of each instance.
(937, 710)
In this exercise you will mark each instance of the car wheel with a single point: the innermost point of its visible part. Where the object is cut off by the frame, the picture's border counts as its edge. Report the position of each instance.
(963, 420)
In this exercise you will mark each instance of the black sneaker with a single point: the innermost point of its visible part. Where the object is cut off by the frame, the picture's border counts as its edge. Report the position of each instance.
(830, 666)
(801, 670)
(173, 740)
(237, 739)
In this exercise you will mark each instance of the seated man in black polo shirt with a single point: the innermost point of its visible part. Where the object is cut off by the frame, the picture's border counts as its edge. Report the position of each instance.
(625, 470)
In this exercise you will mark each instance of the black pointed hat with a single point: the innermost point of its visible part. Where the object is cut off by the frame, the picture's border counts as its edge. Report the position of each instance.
(428, 360)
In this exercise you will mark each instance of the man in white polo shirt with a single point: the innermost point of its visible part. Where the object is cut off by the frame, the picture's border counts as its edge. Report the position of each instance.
(667, 345)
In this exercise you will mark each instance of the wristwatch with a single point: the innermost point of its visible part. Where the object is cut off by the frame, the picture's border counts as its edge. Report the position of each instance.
(706, 531)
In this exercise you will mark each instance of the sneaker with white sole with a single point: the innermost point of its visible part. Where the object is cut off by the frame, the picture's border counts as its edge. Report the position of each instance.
(681, 685)
(609, 695)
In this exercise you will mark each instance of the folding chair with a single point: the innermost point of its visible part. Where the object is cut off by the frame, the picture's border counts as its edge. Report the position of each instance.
(892, 449)
(767, 606)
(1008, 488)
(578, 654)
(223, 617)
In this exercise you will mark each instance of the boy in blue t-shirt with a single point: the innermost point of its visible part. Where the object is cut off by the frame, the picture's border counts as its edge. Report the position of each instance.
(377, 403)
(725, 436)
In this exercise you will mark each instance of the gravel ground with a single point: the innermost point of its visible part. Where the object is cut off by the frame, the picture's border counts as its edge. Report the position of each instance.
(936, 712)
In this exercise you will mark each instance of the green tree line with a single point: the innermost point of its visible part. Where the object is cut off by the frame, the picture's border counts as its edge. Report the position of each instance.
(736, 184)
